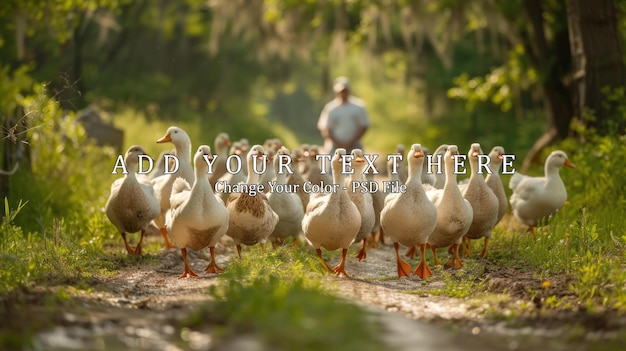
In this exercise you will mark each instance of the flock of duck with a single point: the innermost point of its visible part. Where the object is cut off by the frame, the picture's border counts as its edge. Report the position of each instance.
(433, 210)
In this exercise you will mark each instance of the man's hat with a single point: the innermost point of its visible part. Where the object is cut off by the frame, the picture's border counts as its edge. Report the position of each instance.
(341, 83)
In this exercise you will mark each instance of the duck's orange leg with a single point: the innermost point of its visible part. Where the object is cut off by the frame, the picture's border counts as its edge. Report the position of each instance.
(168, 243)
(129, 249)
(403, 268)
(340, 268)
(483, 253)
(138, 250)
(410, 253)
(239, 250)
(319, 254)
(212, 267)
(381, 236)
(423, 271)
(363, 252)
(531, 229)
(435, 259)
(455, 260)
(373, 241)
(466, 244)
(188, 271)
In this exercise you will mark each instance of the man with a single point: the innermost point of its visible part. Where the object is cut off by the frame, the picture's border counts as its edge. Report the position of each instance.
(343, 120)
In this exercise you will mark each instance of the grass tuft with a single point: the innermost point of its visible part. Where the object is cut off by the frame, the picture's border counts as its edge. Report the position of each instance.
(276, 297)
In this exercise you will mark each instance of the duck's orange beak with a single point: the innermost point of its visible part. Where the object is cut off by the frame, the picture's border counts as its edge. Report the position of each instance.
(418, 154)
(359, 159)
(165, 139)
(500, 157)
(569, 164)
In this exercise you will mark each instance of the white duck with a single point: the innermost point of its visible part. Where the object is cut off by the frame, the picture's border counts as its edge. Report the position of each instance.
(163, 185)
(484, 203)
(252, 219)
(159, 169)
(363, 201)
(454, 214)
(408, 218)
(393, 178)
(332, 221)
(536, 198)
(197, 218)
(378, 201)
(269, 174)
(494, 182)
(402, 170)
(222, 144)
(132, 204)
(315, 175)
(237, 176)
(285, 203)
(295, 179)
(439, 174)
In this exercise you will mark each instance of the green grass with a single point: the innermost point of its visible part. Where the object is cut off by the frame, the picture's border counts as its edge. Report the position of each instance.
(279, 298)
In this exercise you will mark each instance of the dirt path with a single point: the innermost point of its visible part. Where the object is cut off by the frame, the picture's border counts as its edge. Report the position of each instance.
(143, 305)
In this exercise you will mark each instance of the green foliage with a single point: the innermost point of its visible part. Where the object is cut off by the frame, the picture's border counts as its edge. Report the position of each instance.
(53, 226)
(599, 182)
(70, 175)
(13, 83)
(274, 297)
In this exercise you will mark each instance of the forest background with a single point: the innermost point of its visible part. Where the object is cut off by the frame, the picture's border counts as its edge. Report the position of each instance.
(510, 73)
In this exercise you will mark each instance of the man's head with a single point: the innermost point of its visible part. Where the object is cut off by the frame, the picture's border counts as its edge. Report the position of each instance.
(341, 88)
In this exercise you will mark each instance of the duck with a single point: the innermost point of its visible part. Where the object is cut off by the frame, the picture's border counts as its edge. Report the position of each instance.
(163, 185)
(427, 176)
(378, 201)
(484, 203)
(315, 175)
(393, 178)
(439, 173)
(272, 144)
(363, 201)
(454, 214)
(401, 165)
(132, 204)
(236, 165)
(305, 168)
(494, 182)
(332, 221)
(286, 203)
(222, 144)
(159, 169)
(536, 198)
(409, 217)
(295, 179)
(251, 218)
(268, 173)
(245, 148)
(197, 217)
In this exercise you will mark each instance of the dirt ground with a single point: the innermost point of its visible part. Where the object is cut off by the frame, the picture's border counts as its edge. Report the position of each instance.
(141, 307)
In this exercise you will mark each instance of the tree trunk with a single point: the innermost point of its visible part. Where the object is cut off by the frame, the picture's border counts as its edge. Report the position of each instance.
(552, 63)
(598, 60)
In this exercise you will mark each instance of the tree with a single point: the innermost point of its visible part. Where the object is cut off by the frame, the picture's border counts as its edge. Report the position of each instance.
(597, 53)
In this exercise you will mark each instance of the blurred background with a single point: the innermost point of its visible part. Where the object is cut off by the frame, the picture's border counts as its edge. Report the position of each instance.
(521, 74)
